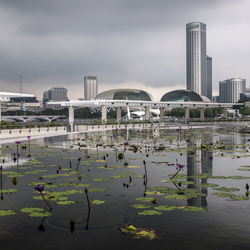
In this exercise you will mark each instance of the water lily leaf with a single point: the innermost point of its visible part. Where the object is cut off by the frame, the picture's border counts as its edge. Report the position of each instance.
(223, 194)
(163, 189)
(138, 233)
(31, 209)
(64, 203)
(154, 193)
(100, 179)
(149, 234)
(40, 214)
(140, 206)
(8, 191)
(107, 168)
(97, 189)
(97, 202)
(194, 209)
(149, 212)
(138, 175)
(165, 208)
(7, 212)
(239, 197)
(237, 177)
(145, 199)
(177, 196)
(225, 189)
(218, 177)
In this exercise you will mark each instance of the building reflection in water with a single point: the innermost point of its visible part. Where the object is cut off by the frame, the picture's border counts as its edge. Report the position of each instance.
(199, 162)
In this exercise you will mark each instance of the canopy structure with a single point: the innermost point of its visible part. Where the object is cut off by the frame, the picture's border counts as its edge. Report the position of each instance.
(5, 97)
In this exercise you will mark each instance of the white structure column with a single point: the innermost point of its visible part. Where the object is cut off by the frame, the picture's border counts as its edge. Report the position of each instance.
(71, 118)
(187, 112)
(202, 114)
(147, 113)
(118, 114)
(104, 114)
(225, 113)
(162, 111)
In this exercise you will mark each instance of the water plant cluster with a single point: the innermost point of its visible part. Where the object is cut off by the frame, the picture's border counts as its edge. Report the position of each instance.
(122, 179)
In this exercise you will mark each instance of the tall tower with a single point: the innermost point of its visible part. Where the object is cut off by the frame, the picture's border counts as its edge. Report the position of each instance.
(209, 78)
(90, 87)
(196, 57)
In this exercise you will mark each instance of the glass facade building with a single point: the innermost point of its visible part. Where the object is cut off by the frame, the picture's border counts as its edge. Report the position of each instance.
(209, 78)
(90, 87)
(230, 89)
(183, 95)
(198, 65)
(125, 94)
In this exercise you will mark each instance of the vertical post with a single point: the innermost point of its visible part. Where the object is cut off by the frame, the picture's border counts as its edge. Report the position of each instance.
(187, 111)
(162, 111)
(225, 112)
(118, 114)
(104, 114)
(147, 113)
(202, 114)
(71, 118)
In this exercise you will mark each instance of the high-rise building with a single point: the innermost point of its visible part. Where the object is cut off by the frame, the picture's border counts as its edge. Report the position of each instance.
(209, 78)
(230, 89)
(55, 94)
(196, 57)
(90, 87)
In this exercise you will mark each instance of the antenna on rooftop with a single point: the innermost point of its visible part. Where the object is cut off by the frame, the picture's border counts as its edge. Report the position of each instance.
(21, 84)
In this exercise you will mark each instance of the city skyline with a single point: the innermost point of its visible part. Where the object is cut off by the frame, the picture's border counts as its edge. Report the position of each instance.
(55, 43)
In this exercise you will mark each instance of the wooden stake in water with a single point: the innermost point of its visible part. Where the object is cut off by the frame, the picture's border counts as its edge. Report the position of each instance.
(89, 208)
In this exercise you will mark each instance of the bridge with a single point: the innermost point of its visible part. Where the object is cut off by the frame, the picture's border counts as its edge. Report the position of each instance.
(147, 105)
(39, 118)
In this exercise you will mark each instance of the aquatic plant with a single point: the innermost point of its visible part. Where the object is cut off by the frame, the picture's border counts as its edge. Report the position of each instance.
(7, 212)
(40, 189)
(138, 233)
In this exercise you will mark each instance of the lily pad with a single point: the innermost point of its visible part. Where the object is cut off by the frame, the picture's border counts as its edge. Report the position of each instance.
(225, 189)
(8, 191)
(165, 208)
(97, 189)
(140, 206)
(149, 212)
(194, 209)
(138, 233)
(145, 199)
(7, 212)
(64, 203)
(97, 202)
(31, 209)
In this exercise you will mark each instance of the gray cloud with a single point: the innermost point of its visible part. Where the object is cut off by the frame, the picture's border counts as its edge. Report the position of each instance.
(57, 41)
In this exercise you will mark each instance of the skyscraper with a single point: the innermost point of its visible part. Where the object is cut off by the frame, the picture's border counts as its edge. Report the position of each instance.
(90, 87)
(209, 78)
(230, 90)
(196, 57)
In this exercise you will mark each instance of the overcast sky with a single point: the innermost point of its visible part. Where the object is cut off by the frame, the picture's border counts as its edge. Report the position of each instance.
(126, 43)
